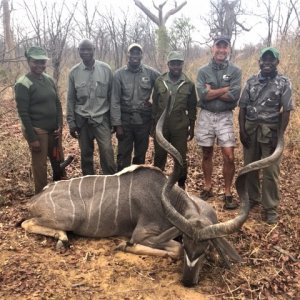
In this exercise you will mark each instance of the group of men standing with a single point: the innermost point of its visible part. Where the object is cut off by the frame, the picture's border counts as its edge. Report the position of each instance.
(132, 99)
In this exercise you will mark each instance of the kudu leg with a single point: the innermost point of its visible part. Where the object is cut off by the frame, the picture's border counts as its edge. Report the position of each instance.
(32, 226)
(144, 242)
(171, 249)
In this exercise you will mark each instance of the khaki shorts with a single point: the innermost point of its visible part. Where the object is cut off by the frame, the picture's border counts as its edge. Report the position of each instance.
(211, 126)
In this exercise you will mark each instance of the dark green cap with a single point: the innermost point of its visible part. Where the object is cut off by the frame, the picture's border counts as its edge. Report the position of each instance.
(272, 51)
(175, 55)
(37, 53)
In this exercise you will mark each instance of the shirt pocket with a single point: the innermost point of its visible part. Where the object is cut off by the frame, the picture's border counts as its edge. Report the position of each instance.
(183, 95)
(82, 93)
(145, 88)
(101, 89)
(184, 90)
(274, 99)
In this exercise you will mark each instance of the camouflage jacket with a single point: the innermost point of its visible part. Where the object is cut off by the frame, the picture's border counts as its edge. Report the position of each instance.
(264, 98)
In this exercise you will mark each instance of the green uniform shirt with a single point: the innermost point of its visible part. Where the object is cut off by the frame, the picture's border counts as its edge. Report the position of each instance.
(183, 102)
(263, 98)
(131, 92)
(218, 76)
(88, 93)
(38, 104)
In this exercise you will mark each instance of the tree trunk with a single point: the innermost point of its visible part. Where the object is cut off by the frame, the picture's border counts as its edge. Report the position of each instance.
(8, 38)
(160, 21)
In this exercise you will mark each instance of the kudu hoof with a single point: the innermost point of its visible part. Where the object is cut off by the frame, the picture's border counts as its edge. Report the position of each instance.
(62, 245)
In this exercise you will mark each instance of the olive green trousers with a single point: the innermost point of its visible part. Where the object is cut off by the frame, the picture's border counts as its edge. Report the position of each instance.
(265, 188)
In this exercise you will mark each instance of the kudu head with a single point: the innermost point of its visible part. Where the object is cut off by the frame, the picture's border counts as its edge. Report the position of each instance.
(199, 234)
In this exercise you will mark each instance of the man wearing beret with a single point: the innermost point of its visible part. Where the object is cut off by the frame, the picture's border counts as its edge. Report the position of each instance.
(180, 123)
(131, 108)
(263, 98)
(218, 86)
(40, 113)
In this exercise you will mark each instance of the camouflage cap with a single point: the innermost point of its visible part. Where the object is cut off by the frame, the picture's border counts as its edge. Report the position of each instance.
(222, 38)
(272, 51)
(135, 45)
(37, 53)
(175, 55)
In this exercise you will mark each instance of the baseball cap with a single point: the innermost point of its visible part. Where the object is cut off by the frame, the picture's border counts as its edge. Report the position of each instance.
(37, 53)
(175, 55)
(272, 50)
(135, 45)
(222, 38)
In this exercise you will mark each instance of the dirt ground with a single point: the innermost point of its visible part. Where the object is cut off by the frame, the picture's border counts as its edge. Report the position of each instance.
(31, 267)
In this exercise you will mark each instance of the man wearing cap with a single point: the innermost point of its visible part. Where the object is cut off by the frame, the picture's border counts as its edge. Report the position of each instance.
(218, 86)
(180, 123)
(263, 98)
(40, 112)
(131, 109)
(88, 108)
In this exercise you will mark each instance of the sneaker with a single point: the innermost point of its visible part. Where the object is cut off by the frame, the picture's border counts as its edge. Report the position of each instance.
(206, 194)
(229, 203)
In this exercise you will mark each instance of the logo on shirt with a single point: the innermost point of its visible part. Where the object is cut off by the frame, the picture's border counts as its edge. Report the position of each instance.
(226, 77)
(145, 79)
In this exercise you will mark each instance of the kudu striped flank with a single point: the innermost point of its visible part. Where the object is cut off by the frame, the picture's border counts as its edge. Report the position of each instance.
(144, 205)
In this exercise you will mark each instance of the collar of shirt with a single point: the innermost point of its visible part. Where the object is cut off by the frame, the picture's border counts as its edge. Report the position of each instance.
(84, 67)
(262, 78)
(177, 82)
(139, 69)
(220, 66)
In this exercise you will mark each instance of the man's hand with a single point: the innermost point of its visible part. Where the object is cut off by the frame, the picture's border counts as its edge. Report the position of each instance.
(57, 133)
(245, 139)
(119, 132)
(216, 93)
(208, 86)
(74, 132)
(35, 146)
(191, 130)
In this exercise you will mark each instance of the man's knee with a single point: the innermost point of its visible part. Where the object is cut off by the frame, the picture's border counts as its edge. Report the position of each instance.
(228, 155)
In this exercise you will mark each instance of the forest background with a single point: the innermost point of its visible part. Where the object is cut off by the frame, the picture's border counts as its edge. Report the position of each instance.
(89, 269)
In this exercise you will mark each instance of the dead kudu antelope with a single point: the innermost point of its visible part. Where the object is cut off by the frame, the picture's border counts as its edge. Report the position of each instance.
(144, 205)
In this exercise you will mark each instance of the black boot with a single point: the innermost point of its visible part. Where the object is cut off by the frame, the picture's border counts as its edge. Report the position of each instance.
(229, 203)
(181, 183)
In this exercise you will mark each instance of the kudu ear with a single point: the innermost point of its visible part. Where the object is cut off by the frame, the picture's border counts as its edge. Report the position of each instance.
(226, 250)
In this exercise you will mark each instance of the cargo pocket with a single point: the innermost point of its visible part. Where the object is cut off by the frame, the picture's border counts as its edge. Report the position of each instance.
(101, 89)
(251, 127)
(145, 90)
(226, 137)
(203, 136)
(82, 93)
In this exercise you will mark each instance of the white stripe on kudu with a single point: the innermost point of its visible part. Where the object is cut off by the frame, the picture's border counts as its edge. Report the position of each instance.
(79, 189)
(100, 204)
(72, 203)
(91, 204)
(51, 200)
(130, 196)
(117, 202)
